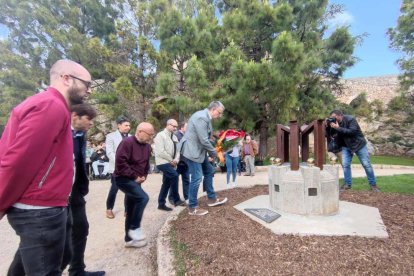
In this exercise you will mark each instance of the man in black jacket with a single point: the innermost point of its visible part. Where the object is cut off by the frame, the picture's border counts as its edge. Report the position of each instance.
(82, 116)
(352, 142)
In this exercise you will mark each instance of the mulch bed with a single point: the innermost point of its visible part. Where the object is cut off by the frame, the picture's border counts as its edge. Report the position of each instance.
(227, 242)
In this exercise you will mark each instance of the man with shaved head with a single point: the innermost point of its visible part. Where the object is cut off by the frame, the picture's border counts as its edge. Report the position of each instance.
(131, 170)
(166, 159)
(36, 168)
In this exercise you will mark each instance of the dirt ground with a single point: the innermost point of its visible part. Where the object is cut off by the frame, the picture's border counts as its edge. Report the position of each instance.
(227, 242)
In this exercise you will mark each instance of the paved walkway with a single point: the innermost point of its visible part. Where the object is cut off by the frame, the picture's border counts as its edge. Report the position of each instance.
(105, 249)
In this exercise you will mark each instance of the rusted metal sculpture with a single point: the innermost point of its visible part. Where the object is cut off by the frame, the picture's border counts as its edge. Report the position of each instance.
(289, 139)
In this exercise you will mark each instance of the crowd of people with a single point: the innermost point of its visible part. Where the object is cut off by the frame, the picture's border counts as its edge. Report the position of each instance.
(46, 135)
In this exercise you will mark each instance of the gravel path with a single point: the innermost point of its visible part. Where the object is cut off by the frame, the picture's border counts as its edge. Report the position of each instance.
(105, 249)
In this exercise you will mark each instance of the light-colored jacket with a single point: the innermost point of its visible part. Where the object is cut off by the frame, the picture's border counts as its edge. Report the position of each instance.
(112, 142)
(164, 143)
(196, 141)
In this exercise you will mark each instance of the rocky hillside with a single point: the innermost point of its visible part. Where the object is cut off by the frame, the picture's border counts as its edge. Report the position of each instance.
(389, 133)
(377, 88)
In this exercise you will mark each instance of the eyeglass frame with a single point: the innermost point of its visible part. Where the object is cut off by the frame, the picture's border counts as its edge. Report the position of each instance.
(88, 84)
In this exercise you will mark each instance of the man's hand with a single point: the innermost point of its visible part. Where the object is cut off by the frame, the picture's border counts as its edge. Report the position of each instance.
(210, 159)
(140, 179)
(174, 163)
(2, 215)
(335, 125)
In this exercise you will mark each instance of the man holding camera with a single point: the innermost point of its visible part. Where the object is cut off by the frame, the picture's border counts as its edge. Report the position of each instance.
(353, 142)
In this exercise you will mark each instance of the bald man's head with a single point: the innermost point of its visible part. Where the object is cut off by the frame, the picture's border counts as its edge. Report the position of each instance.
(71, 79)
(172, 125)
(145, 132)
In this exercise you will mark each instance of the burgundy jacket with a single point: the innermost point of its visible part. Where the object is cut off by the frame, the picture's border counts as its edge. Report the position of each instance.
(132, 158)
(36, 153)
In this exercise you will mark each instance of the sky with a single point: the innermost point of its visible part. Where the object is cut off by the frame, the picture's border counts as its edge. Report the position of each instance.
(372, 17)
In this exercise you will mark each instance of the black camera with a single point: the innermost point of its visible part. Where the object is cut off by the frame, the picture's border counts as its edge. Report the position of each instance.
(330, 120)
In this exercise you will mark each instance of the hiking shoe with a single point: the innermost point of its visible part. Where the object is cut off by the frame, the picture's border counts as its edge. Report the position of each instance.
(164, 208)
(134, 243)
(110, 214)
(375, 189)
(197, 212)
(180, 203)
(216, 201)
(345, 187)
(136, 234)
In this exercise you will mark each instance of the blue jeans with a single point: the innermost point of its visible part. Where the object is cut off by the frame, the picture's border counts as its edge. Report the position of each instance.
(42, 235)
(197, 171)
(363, 157)
(136, 201)
(232, 165)
(169, 180)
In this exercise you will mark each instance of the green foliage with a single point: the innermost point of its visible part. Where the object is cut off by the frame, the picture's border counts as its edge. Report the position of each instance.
(378, 107)
(361, 106)
(394, 138)
(402, 40)
(268, 62)
(398, 103)
(402, 184)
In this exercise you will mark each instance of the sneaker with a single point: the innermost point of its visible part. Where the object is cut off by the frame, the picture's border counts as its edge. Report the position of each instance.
(216, 201)
(187, 202)
(345, 187)
(252, 174)
(164, 208)
(135, 243)
(180, 203)
(197, 212)
(136, 234)
(110, 214)
(246, 174)
(228, 186)
(375, 189)
(234, 185)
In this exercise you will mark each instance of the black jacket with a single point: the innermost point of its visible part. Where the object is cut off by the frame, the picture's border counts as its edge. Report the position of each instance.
(351, 134)
(80, 186)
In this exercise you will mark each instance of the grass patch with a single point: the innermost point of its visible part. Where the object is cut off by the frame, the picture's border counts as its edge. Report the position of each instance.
(181, 253)
(401, 184)
(388, 160)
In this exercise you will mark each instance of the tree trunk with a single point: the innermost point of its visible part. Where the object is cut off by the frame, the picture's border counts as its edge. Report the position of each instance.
(263, 139)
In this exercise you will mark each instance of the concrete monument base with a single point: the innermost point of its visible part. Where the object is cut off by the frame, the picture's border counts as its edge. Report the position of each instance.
(351, 220)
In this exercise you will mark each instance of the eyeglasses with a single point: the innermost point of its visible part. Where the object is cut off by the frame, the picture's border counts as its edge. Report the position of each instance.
(88, 84)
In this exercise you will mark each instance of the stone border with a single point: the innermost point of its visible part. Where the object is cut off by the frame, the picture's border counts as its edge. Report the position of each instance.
(165, 255)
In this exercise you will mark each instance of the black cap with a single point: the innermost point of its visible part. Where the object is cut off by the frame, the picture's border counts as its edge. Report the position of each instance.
(121, 119)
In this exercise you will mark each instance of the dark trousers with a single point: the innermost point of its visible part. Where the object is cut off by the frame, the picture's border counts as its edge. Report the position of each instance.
(110, 201)
(169, 180)
(42, 240)
(136, 200)
(182, 170)
(76, 236)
